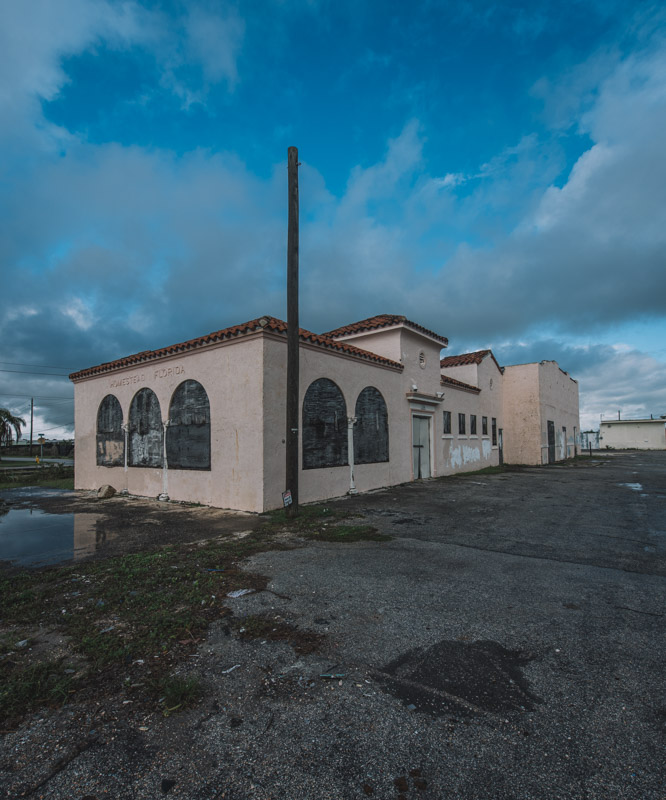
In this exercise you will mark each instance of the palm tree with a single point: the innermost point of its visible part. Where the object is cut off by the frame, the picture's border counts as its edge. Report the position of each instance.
(8, 424)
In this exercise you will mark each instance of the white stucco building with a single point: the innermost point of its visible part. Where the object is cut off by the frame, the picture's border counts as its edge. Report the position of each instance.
(204, 421)
(633, 434)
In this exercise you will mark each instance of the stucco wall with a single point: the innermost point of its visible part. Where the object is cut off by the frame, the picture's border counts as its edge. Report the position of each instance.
(634, 434)
(351, 376)
(231, 374)
(559, 403)
(463, 453)
(533, 394)
(522, 416)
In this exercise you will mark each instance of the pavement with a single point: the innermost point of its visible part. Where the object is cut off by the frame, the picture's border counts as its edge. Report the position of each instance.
(506, 644)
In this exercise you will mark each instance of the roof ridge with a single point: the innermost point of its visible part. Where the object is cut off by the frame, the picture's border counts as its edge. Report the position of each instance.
(383, 321)
(266, 322)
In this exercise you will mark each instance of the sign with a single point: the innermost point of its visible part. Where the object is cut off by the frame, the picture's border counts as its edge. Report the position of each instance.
(41, 440)
(286, 498)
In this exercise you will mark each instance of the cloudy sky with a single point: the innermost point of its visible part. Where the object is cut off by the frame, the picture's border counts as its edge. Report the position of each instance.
(493, 171)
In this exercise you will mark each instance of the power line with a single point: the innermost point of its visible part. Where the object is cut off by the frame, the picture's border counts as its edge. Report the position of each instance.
(25, 372)
(40, 366)
(40, 396)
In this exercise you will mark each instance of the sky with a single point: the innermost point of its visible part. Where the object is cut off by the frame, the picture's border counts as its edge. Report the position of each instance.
(493, 171)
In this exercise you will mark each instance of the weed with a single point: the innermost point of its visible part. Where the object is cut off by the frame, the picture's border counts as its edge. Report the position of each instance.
(175, 693)
(275, 629)
(42, 683)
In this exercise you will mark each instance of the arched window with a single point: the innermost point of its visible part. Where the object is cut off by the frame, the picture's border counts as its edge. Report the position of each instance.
(110, 435)
(145, 430)
(324, 426)
(188, 433)
(371, 431)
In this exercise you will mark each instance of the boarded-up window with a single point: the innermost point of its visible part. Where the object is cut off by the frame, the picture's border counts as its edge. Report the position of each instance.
(371, 431)
(110, 435)
(324, 426)
(188, 433)
(145, 430)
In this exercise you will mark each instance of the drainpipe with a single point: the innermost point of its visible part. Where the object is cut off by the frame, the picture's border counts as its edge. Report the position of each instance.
(165, 467)
(125, 428)
(351, 421)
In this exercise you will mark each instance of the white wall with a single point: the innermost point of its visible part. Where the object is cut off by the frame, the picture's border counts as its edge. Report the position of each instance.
(633, 434)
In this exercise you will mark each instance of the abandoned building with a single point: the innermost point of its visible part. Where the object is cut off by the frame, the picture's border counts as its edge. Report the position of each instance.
(204, 421)
(633, 434)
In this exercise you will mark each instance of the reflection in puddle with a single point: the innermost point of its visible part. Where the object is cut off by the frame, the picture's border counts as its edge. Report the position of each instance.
(637, 487)
(33, 537)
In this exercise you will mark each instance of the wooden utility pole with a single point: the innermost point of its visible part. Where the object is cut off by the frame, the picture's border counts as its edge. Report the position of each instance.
(32, 414)
(292, 437)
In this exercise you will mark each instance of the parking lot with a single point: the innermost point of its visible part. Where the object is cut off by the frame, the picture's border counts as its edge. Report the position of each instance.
(507, 643)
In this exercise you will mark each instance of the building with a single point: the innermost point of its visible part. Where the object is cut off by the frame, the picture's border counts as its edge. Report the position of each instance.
(633, 434)
(204, 421)
(589, 440)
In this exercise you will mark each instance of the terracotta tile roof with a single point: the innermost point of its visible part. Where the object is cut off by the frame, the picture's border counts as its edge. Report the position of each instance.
(468, 358)
(456, 384)
(383, 321)
(262, 323)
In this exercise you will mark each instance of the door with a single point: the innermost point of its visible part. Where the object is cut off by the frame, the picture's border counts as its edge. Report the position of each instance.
(500, 442)
(551, 441)
(421, 447)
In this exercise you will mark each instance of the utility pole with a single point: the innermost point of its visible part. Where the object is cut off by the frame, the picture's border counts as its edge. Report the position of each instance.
(292, 437)
(32, 414)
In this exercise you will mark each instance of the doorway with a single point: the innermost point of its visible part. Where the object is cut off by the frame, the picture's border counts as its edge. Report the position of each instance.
(551, 441)
(500, 443)
(421, 447)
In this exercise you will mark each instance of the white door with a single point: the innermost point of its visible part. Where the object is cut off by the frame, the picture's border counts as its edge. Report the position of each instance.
(421, 446)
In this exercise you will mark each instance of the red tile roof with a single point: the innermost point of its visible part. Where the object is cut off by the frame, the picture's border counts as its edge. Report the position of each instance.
(254, 325)
(383, 321)
(468, 358)
(456, 384)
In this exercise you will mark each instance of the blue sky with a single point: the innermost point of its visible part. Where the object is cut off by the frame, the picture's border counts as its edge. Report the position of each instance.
(496, 172)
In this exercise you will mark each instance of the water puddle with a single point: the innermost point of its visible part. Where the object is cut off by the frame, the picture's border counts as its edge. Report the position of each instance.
(32, 537)
(637, 487)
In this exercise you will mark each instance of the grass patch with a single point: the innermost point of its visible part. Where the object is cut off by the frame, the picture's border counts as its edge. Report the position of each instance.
(322, 523)
(34, 685)
(176, 693)
(348, 533)
(144, 611)
(51, 477)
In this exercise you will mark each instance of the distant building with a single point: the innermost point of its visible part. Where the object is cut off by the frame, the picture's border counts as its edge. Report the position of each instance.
(204, 421)
(589, 439)
(633, 434)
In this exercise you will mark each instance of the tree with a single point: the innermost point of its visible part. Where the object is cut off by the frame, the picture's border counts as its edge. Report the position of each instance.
(9, 424)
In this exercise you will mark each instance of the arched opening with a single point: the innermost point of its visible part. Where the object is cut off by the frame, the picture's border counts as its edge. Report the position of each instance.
(145, 430)
(371, 431)
(324, 426)
(110, 434)
(188, 433)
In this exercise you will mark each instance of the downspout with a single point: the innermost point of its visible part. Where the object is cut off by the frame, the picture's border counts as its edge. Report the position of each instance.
(165, 466)
(125, 428)
(351, 421)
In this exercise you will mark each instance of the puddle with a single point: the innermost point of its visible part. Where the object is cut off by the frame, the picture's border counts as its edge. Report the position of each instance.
(461, 677)
(32, 537)
(637, 487)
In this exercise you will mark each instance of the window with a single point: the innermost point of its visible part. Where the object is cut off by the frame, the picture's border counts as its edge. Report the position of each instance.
(110, 434)
(484, 426)
(188, 433)
(145, 430)
(461, 424)
(494, 430)
(371, 431)
(324, 426)
(447, 421)
(472, 424)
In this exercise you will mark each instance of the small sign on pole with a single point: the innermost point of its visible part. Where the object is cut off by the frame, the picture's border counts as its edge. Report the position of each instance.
(286, 498)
